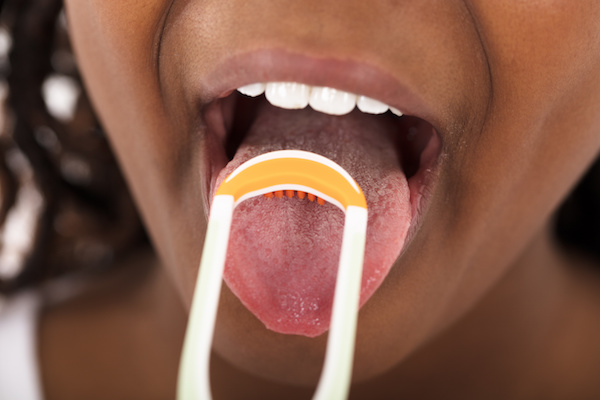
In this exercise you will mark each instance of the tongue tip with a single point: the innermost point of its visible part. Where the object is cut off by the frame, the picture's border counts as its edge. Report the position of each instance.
(311, 329)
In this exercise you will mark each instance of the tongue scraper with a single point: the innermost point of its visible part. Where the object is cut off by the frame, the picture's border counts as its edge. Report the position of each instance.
(279, 170)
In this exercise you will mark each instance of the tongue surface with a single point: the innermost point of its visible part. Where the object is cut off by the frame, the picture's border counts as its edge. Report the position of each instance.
(283, 252)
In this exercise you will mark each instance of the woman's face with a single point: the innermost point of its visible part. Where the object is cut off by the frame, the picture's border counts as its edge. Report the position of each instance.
(501, 101)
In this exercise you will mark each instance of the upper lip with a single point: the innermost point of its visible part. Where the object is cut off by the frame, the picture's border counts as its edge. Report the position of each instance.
(275, 65)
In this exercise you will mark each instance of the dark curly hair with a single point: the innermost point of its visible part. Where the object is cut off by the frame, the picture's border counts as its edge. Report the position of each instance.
(88, 219)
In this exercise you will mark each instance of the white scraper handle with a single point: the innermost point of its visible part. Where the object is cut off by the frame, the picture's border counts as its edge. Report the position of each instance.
(334, 384)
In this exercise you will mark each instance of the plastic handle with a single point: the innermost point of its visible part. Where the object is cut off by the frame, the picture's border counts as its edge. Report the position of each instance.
(194, 376)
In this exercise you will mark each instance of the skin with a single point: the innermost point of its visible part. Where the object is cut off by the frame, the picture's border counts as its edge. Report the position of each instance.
(482, 303)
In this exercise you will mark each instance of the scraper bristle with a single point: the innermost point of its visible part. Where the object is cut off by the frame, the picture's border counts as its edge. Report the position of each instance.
(290, 193)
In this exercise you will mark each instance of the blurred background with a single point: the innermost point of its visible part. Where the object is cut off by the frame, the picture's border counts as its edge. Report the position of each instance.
(64, 207)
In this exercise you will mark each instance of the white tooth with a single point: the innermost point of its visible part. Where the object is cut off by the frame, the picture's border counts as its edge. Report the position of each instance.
(371, 106)
(288, 95)
(332, 101)
(253, 90)
(396, 111)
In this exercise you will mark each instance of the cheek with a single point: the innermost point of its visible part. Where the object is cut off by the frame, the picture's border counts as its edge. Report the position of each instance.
(115, 43)
(540, 131)
(539, 135)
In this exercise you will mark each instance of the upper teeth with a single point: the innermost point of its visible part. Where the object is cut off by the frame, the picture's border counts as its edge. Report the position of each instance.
(292, 95)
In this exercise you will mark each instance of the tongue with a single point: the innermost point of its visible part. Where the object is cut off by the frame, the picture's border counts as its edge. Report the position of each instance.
(284, 252)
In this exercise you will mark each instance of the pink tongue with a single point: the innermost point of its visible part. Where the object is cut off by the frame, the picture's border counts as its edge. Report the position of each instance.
(284, 252)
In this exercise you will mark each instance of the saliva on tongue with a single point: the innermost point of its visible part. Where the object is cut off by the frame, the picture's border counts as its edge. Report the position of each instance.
(283, 253)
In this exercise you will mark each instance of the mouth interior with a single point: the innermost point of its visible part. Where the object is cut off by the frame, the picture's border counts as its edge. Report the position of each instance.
(413, 134)
(283, 252)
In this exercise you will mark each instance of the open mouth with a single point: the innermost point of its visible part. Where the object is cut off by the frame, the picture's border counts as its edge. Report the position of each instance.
(284, 248)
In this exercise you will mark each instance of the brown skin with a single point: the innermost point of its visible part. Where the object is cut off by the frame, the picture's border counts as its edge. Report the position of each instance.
(481, 303)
